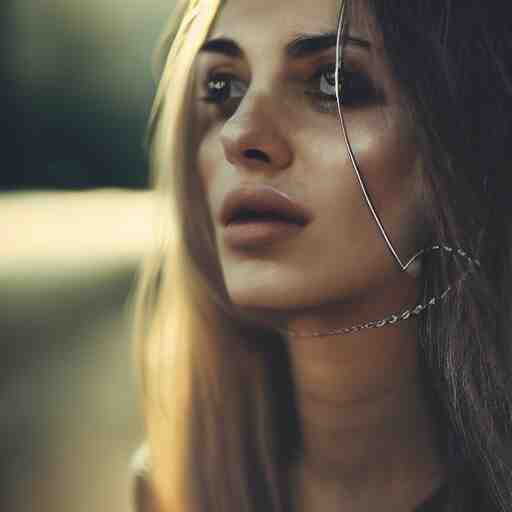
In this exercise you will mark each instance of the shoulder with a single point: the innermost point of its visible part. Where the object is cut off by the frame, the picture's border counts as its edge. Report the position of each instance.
(142, 492)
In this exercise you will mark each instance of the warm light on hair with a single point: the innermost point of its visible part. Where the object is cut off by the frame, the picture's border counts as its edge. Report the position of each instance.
(206, 401)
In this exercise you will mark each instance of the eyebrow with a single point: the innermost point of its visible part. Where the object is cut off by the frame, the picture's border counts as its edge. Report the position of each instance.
(303, 45)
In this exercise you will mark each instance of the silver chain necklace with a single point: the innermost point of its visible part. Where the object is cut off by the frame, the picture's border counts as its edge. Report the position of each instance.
(394, 318)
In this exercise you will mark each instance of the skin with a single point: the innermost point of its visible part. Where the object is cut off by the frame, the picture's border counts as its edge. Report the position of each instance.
(368, 440)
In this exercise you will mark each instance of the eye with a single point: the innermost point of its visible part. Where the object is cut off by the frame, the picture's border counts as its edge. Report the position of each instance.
(355, 87)
(327, 85)
(222, 87)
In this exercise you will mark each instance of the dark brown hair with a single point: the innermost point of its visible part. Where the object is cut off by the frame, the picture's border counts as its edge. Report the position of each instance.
(453, 60)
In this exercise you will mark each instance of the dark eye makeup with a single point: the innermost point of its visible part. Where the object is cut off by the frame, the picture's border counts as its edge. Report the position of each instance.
(357, 89)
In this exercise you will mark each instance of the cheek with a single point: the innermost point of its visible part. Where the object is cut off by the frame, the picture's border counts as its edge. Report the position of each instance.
(384, 146)
(207, 158)
(385, 151)
(208, 153)
(213, 173)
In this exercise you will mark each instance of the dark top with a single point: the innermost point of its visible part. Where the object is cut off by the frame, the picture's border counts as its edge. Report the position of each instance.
(439, 501)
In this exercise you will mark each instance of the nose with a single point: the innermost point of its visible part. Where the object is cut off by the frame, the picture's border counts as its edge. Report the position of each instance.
(254, 137)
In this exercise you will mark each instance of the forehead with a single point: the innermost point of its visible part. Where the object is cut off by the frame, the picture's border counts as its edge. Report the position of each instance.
(280, 19)
(276, 13)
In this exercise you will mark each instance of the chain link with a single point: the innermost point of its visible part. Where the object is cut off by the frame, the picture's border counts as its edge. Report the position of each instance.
(402, 315)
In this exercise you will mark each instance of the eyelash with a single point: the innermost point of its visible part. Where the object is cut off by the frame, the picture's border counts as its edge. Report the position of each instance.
(357, 89)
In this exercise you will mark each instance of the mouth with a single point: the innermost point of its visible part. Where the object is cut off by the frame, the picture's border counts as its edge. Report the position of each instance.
(254, 234)
(249, 216)
(261, 215)
(262, 203)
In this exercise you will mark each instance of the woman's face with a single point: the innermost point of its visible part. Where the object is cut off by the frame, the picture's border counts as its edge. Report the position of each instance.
(265, 114)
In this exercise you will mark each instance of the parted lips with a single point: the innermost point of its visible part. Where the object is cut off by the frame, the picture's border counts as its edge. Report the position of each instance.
(262, 202)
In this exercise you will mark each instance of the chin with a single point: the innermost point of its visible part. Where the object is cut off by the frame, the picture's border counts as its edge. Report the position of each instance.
(262, 299)
(275, 298)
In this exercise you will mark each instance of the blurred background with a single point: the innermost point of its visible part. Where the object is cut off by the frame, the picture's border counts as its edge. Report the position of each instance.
(77, 87)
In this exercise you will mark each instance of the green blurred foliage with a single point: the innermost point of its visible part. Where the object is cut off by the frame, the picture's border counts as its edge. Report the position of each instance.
(77, 88)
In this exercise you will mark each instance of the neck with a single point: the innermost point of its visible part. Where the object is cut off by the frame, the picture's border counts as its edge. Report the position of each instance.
(368, 440)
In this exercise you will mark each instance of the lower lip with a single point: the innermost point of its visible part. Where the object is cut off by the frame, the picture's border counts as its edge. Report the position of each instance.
(253, 234)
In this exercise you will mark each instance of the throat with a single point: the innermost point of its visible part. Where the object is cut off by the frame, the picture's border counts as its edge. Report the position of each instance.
(368, 440)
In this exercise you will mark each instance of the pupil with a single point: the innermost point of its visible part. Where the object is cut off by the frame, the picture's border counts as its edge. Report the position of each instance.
(218, 88)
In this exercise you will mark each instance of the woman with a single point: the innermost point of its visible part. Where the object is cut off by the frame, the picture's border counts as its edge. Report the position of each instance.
(327, 326)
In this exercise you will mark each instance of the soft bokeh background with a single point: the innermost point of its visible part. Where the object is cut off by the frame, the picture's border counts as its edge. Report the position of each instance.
(76, 89)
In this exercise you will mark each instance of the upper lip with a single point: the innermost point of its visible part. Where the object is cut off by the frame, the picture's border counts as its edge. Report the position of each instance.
(263, 199)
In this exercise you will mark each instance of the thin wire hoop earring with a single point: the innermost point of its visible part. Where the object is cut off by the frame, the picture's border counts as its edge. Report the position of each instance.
(341, 32)
(405, 266)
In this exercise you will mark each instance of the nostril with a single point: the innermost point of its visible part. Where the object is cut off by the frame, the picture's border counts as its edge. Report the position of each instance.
(257, 154)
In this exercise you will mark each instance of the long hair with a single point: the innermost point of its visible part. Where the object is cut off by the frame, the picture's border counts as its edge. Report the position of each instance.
(218, 398)
(453, 61)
